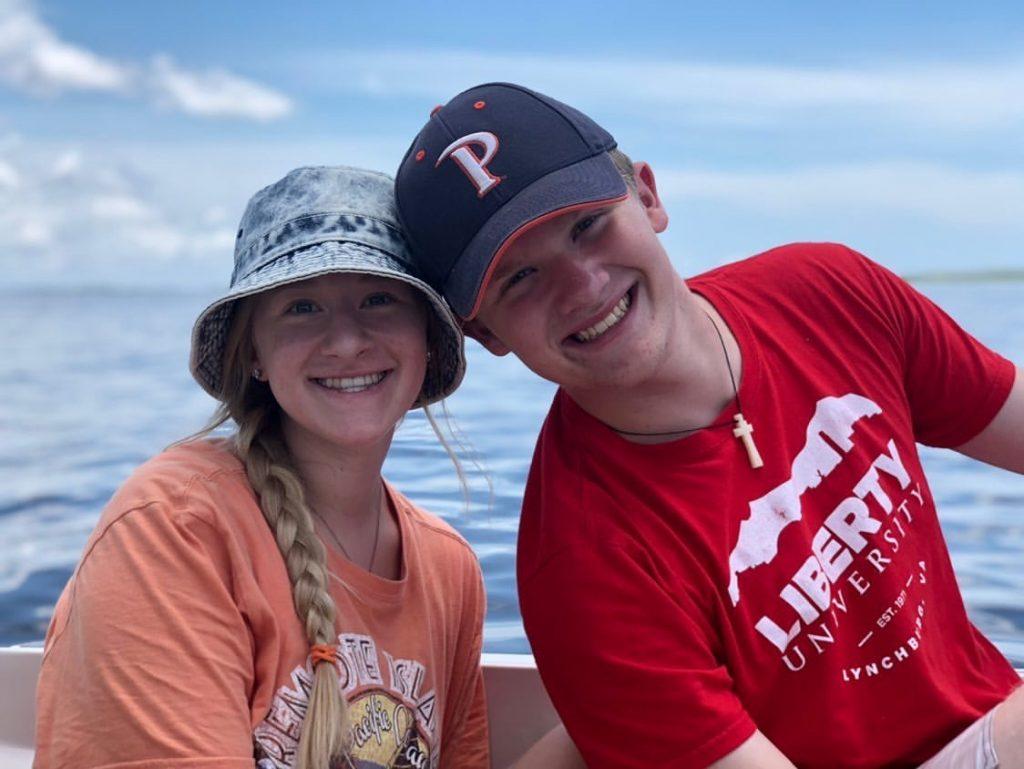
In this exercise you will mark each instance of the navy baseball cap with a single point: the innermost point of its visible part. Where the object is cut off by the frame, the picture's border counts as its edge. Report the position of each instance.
(492, 162)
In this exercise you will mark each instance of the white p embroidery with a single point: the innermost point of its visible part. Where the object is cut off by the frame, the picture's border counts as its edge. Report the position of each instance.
(474, 167)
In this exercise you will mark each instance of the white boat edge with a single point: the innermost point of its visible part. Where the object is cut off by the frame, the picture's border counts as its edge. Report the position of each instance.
(519, 710)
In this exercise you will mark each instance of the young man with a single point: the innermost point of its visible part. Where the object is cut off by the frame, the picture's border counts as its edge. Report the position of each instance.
(729, 555)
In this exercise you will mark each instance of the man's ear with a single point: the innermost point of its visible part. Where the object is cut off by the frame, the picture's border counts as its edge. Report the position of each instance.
(647, 192)
(478, 331)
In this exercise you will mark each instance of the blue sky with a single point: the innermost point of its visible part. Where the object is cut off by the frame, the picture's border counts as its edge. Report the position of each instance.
(132, 133)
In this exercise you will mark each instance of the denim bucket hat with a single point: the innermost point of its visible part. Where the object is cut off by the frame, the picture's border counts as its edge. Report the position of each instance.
(317, 221)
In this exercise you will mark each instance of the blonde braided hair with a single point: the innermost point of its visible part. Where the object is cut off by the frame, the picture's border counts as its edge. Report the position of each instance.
(269, 466)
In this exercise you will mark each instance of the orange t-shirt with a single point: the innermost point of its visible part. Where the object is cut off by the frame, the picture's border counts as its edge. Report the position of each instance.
(176, 642)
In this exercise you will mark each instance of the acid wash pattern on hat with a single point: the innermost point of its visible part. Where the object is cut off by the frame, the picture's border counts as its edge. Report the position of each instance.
(313, 205)
(316, 221)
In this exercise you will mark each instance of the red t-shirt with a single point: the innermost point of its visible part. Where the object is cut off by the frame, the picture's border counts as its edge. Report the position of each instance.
(676, 598)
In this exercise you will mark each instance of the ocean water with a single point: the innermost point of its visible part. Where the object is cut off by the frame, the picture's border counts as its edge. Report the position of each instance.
(94, 382)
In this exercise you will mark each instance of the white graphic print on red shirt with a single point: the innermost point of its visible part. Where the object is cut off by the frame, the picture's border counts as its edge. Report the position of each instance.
(826, 580)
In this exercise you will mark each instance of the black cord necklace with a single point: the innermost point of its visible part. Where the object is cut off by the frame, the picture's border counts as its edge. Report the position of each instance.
(742, 429)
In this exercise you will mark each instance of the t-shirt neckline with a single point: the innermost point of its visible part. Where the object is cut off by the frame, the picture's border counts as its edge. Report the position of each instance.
(345, 575)
(705, 440)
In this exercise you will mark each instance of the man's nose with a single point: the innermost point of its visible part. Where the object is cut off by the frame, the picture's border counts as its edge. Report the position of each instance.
(579, 280)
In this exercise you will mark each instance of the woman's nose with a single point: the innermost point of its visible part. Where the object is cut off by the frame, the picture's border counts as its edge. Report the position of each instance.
(344, 335)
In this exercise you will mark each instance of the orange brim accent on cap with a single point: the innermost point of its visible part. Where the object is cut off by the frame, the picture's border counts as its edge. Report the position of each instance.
(524, 228)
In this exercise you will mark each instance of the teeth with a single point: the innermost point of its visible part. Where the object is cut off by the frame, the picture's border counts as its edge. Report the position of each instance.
(353, 384)
(618, 313)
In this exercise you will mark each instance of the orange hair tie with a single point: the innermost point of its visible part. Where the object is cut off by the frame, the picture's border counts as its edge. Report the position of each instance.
(324, 653)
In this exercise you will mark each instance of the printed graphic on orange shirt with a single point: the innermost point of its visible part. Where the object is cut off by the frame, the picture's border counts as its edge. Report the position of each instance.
(857, 539)
(384, 734)
(391, 711)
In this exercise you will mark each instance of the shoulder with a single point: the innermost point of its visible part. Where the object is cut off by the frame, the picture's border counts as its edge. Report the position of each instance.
(571, 459)
(445, 561)
(566, 429)
(436, 535)
(175, 517)
(178, 474)
(801, 277)
(201, 480)
(570, 506)
(793, 262)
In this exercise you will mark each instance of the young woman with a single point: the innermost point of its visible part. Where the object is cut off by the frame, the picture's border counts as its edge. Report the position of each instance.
(268, 599)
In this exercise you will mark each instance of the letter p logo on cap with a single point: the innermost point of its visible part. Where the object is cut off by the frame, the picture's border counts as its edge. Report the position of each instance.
(475, 168)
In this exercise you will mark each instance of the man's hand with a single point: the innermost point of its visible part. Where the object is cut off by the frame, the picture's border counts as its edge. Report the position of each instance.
(1002, 442)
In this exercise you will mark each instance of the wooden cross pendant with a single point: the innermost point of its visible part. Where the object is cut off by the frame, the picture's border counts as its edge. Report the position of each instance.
(745, 432)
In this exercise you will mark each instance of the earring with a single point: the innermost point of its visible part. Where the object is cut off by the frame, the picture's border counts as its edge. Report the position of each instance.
(257, 374)
(429, 356)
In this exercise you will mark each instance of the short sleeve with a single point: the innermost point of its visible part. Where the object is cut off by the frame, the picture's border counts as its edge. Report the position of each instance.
(148, 662)
(955, 385)
(630, 666)
(466, 744)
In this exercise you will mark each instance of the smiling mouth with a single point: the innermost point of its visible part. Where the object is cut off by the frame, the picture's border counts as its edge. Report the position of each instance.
(609, 321)
(353, 384)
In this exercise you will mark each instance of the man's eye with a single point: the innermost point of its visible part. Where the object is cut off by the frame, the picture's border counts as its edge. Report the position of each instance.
(518, 276)
(301, 307)
(583, 224)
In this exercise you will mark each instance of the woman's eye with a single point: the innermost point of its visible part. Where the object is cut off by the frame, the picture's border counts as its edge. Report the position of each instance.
(583, 224)
(301, 307)
(378, 300)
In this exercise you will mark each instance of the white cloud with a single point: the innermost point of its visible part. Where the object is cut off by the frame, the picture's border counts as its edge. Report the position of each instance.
(157, 240)
(219, 241)
(215, 215)
(119, 207)
(33, 233)
(35, 60)
(66, 164)
(9, 176)
(215, 93)
(165, 215)
(98, 220)
(974, 198)
(951, 95)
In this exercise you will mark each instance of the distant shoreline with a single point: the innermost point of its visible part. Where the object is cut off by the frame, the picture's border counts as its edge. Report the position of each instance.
(94, 290)
(966, 276)
(1006, 275)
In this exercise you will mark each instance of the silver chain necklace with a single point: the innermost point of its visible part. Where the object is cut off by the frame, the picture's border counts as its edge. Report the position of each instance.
(337, 540)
